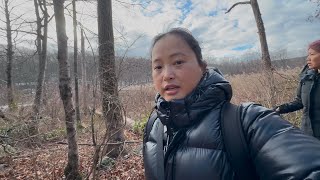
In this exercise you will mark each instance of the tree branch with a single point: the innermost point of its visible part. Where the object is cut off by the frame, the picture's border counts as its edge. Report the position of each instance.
(22, 31)
(87, 144)
(133, 4)
(234, 5)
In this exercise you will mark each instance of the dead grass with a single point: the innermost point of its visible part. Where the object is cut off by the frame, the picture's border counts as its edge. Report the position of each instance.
(253, 88)
(138, 101)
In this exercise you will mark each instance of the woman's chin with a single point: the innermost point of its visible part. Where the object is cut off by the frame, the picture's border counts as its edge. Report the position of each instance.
(171, 98)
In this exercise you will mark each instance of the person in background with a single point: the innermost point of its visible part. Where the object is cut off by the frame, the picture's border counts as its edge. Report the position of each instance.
(188, 106)
(308, 93)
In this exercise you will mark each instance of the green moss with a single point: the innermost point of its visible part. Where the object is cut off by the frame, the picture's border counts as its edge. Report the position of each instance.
(140, 124)
(107, 162)
(55, 134)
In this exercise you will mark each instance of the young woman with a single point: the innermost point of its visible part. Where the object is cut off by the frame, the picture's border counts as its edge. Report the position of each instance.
(308, 93)
(185, 141)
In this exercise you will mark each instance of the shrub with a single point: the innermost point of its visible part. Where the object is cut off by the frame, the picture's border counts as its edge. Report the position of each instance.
(55, 134)
(140, 124)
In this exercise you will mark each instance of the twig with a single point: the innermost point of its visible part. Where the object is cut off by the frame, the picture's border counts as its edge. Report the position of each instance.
(4, 117)
(1, 136)
(234, 5)
(87, 144)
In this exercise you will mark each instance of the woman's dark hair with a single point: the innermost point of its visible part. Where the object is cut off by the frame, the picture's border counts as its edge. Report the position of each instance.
(187, 37)
(315, 45)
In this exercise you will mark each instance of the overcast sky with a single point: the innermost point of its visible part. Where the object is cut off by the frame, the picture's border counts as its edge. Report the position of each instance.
(221, 35)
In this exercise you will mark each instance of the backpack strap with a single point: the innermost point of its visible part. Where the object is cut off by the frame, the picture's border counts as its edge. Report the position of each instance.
(235, 143)
(152, 118)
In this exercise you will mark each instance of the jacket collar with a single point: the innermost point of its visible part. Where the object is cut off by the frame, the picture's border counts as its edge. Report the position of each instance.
(309, 74)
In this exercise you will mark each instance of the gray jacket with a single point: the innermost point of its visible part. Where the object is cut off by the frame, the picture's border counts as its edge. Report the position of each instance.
(308, 99)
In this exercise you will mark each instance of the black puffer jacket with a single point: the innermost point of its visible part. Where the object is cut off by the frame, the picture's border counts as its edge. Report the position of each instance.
(308, 98)
(190, 146)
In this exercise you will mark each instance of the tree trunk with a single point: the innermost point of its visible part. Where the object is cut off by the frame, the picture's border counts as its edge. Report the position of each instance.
(84, 75)
(75, 64)
(72, 169)
(42, 56)
(10, 97)
(264, 50)
(108, 81)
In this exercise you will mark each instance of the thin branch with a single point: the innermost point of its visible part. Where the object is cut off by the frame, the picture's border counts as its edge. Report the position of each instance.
(234, 5)
(118, 143)
(1, 136)
(29, 22)
(133, 4)
(22, 31)
(90, 15)
(40, 5)
(51, 18)
(18, 17)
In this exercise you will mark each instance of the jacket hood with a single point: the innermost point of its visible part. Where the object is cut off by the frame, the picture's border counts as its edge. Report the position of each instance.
(211, 91)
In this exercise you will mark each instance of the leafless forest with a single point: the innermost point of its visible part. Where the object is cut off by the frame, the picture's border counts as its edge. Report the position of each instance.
(79, 113)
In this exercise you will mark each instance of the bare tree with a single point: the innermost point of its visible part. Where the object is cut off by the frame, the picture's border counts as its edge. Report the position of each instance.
(9, 54)
(75, 62)
(316, 14)
(72, 169)
(264, 45)
(41, 44)
(84, 74)
(108, 80)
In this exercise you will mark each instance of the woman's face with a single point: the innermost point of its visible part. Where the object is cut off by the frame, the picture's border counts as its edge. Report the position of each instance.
(175, 69)
(313, 59)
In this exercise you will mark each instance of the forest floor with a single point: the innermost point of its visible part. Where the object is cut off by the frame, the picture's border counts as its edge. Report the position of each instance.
(49, 160)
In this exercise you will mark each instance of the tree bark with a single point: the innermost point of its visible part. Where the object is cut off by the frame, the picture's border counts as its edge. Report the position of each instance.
(264, 50)
(72, 169)
(84, 75)
(108, 81)
(42, 56)
(10, 97)
(75, 62)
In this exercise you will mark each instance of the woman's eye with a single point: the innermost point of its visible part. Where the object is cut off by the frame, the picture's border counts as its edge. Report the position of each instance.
(179, 62)
(157, 67)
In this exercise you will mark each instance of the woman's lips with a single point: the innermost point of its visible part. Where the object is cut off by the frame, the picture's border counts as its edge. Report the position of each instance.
(172, 92)
(171, 89)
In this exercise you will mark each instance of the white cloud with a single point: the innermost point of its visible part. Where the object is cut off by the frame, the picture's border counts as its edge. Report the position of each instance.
(285, 23)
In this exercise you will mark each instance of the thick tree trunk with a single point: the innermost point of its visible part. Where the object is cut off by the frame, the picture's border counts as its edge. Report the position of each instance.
(42, 56)
(72, 169)
(75, 63)
(108, 81)
(10, 97)
(264, 50)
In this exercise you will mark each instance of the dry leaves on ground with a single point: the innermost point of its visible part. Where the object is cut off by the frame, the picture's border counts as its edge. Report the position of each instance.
(49, 162)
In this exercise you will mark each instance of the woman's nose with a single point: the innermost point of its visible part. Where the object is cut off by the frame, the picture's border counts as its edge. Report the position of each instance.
(308, 58)
(168, 73)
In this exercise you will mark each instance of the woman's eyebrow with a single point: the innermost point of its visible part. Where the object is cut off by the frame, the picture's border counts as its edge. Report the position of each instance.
(171, 56)
(177, 54)
(156, 60)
